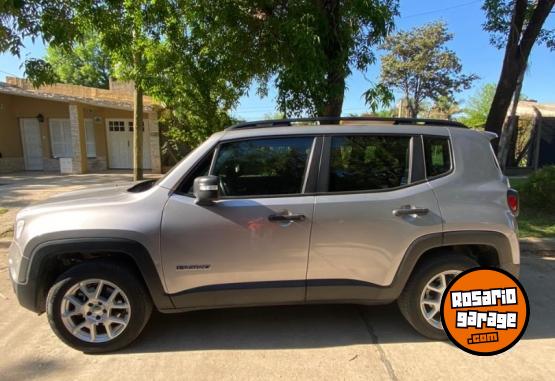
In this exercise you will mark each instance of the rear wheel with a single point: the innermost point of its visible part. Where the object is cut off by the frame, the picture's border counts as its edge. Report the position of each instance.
(420, 301)
(98, 307)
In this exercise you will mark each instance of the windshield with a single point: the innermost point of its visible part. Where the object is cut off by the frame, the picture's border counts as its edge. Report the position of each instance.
(173, 168)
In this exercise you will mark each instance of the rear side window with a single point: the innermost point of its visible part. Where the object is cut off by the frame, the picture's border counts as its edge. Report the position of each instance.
(438, 155)
(263, 167)
(359, 163)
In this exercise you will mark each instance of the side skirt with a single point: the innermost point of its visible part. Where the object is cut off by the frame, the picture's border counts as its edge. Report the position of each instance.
(280, 293)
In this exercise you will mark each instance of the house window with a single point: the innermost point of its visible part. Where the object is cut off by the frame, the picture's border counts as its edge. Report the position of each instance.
(116, 125)
(60, 137)
(89, 136)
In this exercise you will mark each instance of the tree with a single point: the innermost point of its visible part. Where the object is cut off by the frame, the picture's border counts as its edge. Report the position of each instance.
(517, 25)
(199, 83)
(86, 64)
(31, 18)
(129, 30)
(478, 106)
(306, 47)
(419, 64)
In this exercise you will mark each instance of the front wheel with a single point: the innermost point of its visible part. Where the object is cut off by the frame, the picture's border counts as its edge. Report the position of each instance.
(98, 307)
(420, 301)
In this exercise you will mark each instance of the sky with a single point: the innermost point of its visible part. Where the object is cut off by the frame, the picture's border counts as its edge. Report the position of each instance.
(463, 18)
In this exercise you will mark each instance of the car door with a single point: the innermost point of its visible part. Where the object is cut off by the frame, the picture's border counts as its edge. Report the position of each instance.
(374, 203)
(251, 246)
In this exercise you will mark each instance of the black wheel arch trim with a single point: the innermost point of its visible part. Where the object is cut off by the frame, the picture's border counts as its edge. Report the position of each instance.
(30, 294)
(420, 246)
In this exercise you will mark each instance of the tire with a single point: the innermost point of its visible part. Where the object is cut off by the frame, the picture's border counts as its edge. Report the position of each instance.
(119, 313)
(410, 300)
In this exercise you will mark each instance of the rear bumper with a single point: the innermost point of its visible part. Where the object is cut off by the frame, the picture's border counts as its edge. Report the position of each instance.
(511, 268)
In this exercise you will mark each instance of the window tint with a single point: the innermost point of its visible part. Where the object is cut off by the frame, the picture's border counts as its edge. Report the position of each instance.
(368, 162)
(438, 157)
(263, 167)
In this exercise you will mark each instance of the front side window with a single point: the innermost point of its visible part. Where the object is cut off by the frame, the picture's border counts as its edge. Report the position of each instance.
(360, 163)
(274, 166)
(438, 156)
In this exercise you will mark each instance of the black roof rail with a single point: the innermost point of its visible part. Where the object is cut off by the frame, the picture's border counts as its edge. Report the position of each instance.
(336, 120)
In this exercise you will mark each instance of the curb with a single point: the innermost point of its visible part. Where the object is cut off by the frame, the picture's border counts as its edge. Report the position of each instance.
(537, 244)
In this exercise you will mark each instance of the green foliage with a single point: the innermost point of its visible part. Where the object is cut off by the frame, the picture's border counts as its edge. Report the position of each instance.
(124, 29)
(40, 72)
(86, 64)
(200, 83)
(305, 47)
(477, 107)
(419, 64)
(378, 96)
(498, 21)
(20, 19)
(539, 190)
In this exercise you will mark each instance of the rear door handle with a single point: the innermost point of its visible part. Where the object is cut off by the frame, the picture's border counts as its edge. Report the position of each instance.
(404, 211)
(286, 217)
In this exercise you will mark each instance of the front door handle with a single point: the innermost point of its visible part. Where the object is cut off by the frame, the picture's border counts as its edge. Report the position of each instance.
(407, 211)
(286, 217)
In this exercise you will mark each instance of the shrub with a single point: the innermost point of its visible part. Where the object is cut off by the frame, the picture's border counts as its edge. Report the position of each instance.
(539, 190)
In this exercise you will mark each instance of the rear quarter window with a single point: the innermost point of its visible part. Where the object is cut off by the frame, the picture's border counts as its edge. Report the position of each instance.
(437, 152)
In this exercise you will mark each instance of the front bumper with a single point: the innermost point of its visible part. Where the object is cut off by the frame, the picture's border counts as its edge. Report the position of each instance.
(25, 290)
(26, 295)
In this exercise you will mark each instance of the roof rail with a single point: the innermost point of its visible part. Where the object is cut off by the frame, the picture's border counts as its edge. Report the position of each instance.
(337, 120)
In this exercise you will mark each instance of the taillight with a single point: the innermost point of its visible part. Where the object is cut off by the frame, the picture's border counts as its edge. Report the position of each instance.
(512, 201)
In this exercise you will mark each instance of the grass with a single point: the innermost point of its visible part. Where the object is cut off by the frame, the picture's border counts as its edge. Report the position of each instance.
(533, 222)
(3, 210)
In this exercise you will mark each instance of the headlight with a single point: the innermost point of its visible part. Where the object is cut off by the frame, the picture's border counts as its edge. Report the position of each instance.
(19, 225)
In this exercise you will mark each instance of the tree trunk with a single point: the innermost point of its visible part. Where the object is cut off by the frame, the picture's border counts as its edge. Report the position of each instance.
(335, 56)
(336, 86)
(507, 133)
(138, 134)
(519, 45)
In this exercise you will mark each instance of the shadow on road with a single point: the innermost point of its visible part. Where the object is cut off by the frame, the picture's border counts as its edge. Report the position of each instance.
(270, 328)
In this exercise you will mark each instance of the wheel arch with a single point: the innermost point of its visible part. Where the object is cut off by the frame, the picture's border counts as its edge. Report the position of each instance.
(488, 248)
(50, 259)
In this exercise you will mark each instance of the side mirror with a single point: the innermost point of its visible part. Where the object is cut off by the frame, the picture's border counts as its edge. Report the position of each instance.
(206, 190)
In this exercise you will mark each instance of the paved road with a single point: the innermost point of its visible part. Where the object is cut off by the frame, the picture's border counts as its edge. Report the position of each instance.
(304, 342)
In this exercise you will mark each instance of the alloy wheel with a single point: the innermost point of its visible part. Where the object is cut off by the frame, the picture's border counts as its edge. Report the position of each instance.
(430, 299)
(95, 310)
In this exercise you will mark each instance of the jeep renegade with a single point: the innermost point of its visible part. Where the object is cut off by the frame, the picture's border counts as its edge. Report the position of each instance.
(272, 213)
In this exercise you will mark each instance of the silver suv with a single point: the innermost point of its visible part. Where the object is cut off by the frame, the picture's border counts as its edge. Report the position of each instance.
(270, 213)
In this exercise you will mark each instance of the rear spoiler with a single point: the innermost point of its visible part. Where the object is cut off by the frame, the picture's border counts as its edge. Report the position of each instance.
(490, 135)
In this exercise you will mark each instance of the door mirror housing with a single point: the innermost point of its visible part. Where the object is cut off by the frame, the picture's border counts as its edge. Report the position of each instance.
(206, 190)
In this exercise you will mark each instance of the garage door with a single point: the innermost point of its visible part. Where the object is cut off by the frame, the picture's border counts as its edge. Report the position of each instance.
(120, 144)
